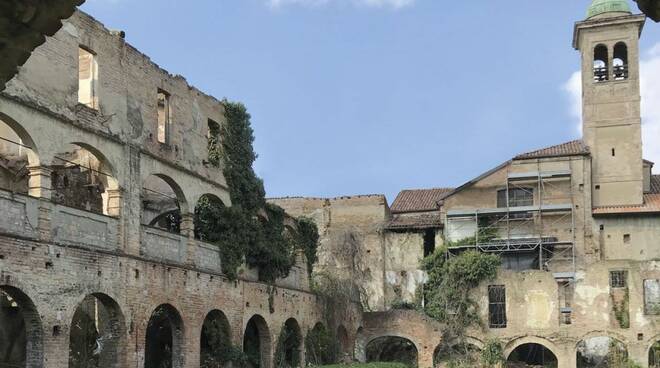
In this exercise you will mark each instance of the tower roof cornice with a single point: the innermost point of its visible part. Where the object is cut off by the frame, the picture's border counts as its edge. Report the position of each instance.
(600, 22)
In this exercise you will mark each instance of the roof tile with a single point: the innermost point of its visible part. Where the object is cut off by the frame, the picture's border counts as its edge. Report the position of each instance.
(419, 200)
(415, 222)
(651, 205)
(572, 148)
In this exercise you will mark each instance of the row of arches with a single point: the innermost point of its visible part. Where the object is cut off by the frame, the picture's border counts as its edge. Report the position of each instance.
(79, 175)
(591, 352)
(98, 334)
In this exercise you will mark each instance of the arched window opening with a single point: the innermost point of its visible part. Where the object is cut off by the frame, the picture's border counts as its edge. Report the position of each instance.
(462, 354)
(160, 205)
(601, 62)
(392, 349)
(164, 339)
(82, 180)
(532, 355)
(654, 355)
(21, 336)
(215, 342)
(210, 219)
(256, 343)
(289, 346)
(320, 346)
(620, 61)
(14, 160)
(601, 351)
(96, 329)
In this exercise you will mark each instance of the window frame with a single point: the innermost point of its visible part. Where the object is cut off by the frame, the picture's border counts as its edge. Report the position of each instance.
(618, 279)
(167, 124)
(497, 317)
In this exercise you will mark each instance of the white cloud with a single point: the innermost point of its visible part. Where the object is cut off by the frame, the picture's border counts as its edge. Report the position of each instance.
(393, 4)
(650, 91)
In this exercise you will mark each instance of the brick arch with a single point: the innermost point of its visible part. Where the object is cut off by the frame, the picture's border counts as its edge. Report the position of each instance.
(112, 331)
(604, 333)
(34, 350)
(294, 326)
(265, 340)
(172, 315)
(176, 188)
(513, 344)
(220, 320)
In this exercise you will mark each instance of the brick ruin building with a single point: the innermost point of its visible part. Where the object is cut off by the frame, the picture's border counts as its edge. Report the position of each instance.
(103, 158)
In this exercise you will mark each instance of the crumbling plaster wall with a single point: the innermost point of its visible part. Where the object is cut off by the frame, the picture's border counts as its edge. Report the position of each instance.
(352, 244)
(404, 252)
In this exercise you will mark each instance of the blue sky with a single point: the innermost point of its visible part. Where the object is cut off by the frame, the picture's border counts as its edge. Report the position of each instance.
(374, 96)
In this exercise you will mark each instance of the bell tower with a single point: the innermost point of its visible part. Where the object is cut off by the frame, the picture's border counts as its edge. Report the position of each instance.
(611, 120)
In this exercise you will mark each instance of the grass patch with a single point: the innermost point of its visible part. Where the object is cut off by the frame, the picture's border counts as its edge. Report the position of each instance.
(367, 365)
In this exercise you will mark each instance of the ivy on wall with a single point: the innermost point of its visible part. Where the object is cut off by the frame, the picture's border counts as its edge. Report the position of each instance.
(251, 230)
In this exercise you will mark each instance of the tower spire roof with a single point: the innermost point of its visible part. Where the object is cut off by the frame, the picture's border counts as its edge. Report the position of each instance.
(600, 7)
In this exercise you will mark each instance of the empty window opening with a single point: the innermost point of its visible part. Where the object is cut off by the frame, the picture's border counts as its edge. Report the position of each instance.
(164, 118)
(626, 238)
(16, 157)
(566, 291)
(164, 339)
(392, 349)
(87, 78)
(618, 279)
(531, 355)
(597, 187)
(620, 61)
(214, 143)
(613, 152)
(601, 62)
(160, 204)
(497, 306)
(601, 351)
(517, 197)
(652, 297)
(95, 332)
(429, 242)
(215, 342)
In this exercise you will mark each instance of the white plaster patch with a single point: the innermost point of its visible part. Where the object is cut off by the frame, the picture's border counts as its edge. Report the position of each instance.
(539, 309)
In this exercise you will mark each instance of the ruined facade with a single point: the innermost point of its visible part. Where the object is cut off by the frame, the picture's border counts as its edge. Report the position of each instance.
(103, 158)
(576, 226)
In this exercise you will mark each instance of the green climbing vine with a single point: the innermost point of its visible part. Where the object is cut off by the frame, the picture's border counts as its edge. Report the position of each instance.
(251, 230)
(451, 280)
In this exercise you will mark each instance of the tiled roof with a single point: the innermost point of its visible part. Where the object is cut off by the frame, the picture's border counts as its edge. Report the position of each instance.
(418, 200)
(651, 205)
(655, 184)
(572, 148)
(415, 222)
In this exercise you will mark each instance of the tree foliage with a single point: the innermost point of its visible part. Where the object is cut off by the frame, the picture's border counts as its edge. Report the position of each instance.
(251, 230)
(451, 280)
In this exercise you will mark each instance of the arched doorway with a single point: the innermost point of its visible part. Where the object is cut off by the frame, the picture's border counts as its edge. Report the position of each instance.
(531, 355)
(320, 346)
(19, 324)
(289, 346)
(601, 351)
(256, 342)
(215, 341)
(96, 333)
(164, 339)
(654, 355)
(210, 217)
(392, 349)
(345, 350)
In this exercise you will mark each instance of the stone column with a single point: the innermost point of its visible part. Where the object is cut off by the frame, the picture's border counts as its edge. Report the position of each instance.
(188, 230)
(40, 186)
(113, 206)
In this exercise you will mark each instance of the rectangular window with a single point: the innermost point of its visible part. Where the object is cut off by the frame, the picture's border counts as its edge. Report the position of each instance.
(626, 238)
(497, 306)
(518, 197)
(163, 117)
(429, 242)
(87, 78)
(618, 279)
(214, 143)
(652, 297)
